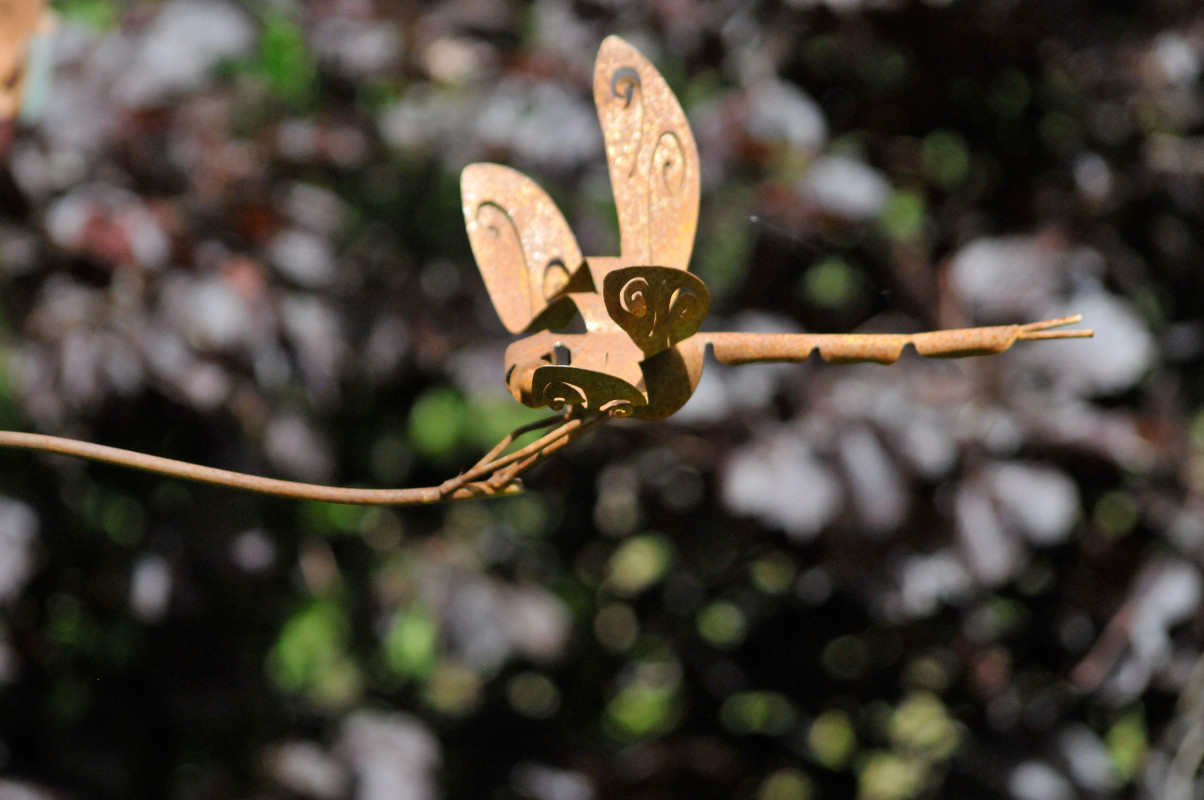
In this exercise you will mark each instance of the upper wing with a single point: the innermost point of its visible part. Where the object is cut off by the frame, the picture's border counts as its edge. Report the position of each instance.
(652, 157)
(525, 250)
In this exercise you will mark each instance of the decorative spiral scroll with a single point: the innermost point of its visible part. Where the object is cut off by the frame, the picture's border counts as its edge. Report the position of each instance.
(683, 317)
(558, 394)
(494, 230)
(642, 324)
(523, 246)
(652, 156)
(505, 242)
(624, 83)
(634, 297)
(656, 306)
(618, 408)
(631, 79)
(557, 386)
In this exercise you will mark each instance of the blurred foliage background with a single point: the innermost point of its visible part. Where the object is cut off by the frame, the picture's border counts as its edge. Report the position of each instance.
(231, 234)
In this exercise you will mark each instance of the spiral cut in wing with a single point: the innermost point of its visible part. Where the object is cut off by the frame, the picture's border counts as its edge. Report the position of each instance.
(656, 306)
(527, 254)
(652, 157)
(557, 386)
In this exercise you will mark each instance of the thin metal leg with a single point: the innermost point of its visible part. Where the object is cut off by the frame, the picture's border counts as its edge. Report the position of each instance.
(569, 429)
(506, 475)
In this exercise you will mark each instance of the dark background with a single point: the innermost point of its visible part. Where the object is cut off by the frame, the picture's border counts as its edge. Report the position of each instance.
(231, 234)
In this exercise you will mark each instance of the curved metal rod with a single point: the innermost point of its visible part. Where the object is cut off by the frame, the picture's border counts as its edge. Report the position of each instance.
(495, 474)
(463, 489)
(506, 469)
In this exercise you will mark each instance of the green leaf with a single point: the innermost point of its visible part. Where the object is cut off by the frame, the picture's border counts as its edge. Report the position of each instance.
(285, 62)
(642, 711)
(888, 776)
(309, 655)
(411, 643)
(921, 726)
(722, 624)
(946, 158)
(831, 283)
(765, 713)
(639, 563)
(787, 784)
(832, 739)
(903, 215)
(1128, 744)
(490, 418)
(437, 422)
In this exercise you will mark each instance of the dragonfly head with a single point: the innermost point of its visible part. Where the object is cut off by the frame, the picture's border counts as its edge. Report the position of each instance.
(540, 372)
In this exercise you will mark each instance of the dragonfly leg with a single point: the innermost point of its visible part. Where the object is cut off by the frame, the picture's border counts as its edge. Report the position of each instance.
(511, 437)
(493, 461)
(533, 456)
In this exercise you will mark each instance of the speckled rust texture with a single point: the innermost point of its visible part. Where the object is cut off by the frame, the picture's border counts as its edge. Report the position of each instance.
(641, 354)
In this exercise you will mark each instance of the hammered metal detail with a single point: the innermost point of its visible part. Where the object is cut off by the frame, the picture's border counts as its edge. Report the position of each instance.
(657, 306)
(558, 386)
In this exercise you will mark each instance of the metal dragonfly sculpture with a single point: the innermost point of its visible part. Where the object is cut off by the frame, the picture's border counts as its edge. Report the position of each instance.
(641, 354)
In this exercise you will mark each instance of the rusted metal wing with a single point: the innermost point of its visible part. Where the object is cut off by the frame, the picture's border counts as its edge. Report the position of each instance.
(525, 250)
(653, 160)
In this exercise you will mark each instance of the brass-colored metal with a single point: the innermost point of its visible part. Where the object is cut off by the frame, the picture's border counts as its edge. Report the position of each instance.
(641, 354)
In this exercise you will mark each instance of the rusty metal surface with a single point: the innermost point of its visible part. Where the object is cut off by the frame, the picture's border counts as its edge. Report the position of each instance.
(20, 20)
(524, 248)
(641, 352)
(883, 348)
(653, 160)
(656, 306)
